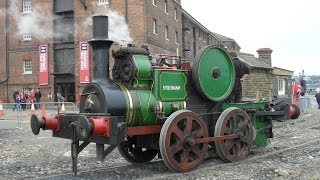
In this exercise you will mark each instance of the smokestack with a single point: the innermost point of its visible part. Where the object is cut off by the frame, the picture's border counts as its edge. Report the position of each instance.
(100, 47)
(265, 55)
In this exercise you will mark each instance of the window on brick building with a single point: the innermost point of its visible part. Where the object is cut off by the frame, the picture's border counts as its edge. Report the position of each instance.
(27, 37)
(103, 2)
(166, 6)
(176, 14)
(27, 66)
(26, 6)
(281, 86)
(176, 37)
(199, 34)
(155, 31)
(154, 2)
(166, 34)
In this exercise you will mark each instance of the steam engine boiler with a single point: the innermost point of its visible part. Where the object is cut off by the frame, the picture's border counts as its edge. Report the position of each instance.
(177, 112)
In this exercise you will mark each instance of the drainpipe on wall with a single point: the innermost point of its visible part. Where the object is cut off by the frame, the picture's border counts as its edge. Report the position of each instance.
(126, 11)
(7, 49)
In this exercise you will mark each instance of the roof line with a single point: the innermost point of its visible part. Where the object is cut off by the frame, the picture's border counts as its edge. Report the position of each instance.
(202, 26)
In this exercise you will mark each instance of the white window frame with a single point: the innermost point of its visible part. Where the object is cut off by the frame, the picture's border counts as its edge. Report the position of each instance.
(27, 66)
(166, 33)
(166, 7)
(154, 2)
(154, 28)
(27, 37)
(26, 6)
(281, 86)
(176, 14)
(176, 35)
(103, 2)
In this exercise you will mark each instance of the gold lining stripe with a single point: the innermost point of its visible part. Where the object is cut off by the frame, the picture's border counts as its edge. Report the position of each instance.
(160, 106)
(130, 114)
(184, 105)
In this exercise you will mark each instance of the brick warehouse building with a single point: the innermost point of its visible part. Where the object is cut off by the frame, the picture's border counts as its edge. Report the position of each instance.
(61, 25)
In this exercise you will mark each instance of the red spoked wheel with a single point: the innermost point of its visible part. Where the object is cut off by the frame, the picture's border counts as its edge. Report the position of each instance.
(177, 146)
(234, 121)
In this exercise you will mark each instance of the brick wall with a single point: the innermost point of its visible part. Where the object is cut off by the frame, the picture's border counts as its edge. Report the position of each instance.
(3, 51)
(20, 50)
(194, 37)
(259, 81)
(157, 42)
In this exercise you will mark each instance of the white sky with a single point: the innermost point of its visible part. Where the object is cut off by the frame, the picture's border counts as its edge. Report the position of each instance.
(291, 28)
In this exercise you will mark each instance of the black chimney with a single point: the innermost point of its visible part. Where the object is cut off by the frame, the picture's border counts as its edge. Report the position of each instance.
(100, 47)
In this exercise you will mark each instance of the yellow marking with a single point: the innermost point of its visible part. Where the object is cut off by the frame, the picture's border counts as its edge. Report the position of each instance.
(89, 101)
(184, 105)
(130, 114)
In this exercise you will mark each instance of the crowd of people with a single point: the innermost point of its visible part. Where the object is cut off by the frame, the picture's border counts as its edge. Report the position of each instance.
(24, 98)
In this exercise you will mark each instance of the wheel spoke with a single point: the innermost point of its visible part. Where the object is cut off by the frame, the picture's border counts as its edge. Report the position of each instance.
(228, 145)
(234, 121)
(246, 140)
(176, 148)
(228, 132)
(188, 124)
(243, 124)
(184, 159)
(179, 133)
(197, 134)
(237, 149)
(196, 150)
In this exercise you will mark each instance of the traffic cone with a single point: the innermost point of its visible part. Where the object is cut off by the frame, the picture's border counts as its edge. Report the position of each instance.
(63, 110)
(32, 110)
(43, 111)
(1, 109)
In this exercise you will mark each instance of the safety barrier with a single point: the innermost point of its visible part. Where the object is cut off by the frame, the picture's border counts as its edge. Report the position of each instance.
(304, 103)
(23, 111)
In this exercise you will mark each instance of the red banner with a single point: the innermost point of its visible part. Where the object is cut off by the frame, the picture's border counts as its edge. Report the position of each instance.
(43, 65)
(84, 63)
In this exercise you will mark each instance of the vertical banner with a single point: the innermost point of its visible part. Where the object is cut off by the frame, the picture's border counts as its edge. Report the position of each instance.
(43, 65)
(84, 63)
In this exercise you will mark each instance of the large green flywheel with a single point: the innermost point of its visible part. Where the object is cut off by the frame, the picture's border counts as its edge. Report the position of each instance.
(213, 73)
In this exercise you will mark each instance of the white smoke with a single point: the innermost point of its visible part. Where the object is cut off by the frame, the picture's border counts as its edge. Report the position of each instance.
(119, 31)
(2, 12)
(37, 22)
(40, 23)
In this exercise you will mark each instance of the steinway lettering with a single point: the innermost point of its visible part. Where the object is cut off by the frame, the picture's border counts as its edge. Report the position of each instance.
(171, 88)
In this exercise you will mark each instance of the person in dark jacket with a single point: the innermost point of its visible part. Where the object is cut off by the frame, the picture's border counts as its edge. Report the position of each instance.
(16, 100)
(38, 97)
(242, 71)
(318, 97)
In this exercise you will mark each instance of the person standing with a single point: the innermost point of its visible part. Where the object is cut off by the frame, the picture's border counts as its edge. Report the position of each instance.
(61, 99)
(23, 99)
(38, 97)
(31, 97)
(16, 100)
(318, 97)
(242, 71)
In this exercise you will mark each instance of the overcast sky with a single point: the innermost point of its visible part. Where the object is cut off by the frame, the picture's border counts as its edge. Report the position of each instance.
(291, 28)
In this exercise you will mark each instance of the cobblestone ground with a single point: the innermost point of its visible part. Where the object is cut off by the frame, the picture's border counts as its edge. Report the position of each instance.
(294, 153)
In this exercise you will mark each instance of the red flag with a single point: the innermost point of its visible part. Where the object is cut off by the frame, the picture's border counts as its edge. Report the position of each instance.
(84, 66)
(43, 65)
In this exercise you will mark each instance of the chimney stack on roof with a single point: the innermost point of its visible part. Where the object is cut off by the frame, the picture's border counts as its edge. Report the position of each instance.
(265, 55)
